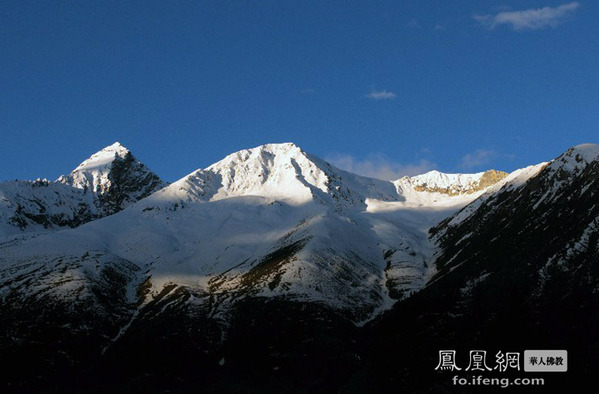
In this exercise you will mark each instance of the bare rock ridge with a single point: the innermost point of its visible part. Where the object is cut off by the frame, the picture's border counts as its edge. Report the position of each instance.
(456, 184)
(490, 178)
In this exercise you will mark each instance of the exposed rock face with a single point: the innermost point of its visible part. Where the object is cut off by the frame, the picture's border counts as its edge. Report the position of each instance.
(466, 184)
(490, 178)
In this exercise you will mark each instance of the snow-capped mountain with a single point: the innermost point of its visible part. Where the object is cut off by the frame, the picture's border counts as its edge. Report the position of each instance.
(279, 172)
(451, 184)
(114, 178)
(107, 182)
(272, 241)
(269, 221)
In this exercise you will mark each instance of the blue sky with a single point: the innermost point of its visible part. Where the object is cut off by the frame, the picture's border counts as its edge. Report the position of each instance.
(382, 88)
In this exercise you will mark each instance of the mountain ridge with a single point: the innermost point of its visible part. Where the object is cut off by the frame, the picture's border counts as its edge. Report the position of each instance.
(294, 213)
(273, 243)
(113, 179)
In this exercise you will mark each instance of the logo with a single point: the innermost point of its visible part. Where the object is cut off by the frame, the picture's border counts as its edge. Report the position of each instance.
(533, 361)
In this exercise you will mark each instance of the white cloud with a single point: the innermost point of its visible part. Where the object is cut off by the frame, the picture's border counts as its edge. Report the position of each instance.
(476, 159)
(381, 95)
(379, 166)
(531, 19)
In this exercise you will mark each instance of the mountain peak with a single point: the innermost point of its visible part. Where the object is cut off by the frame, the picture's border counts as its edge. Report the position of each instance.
(115, 178)
(576, 158)
(586, 152)
(264, 153)
(104, 157)
(279, 172)
(453, 184)
(270, 170)
(282, 146)
(116, 147)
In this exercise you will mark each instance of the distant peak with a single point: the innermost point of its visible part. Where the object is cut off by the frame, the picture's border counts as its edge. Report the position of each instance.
(116, 147)
(280, 144)
(281, 171)
(447, 174)
(454, 184)
(263, 154)
(116, 175)
(432, 172)
(278, 147)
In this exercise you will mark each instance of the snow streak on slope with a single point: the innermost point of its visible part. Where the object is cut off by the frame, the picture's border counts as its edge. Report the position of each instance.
(570, 164)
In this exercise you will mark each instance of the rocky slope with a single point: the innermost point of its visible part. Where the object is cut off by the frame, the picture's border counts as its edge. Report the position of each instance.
(516, 270)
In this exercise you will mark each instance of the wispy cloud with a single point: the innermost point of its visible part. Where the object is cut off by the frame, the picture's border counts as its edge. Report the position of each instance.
(477, 158)
(531, 19)
(379, 166)
(381, 95)
(413, 24)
